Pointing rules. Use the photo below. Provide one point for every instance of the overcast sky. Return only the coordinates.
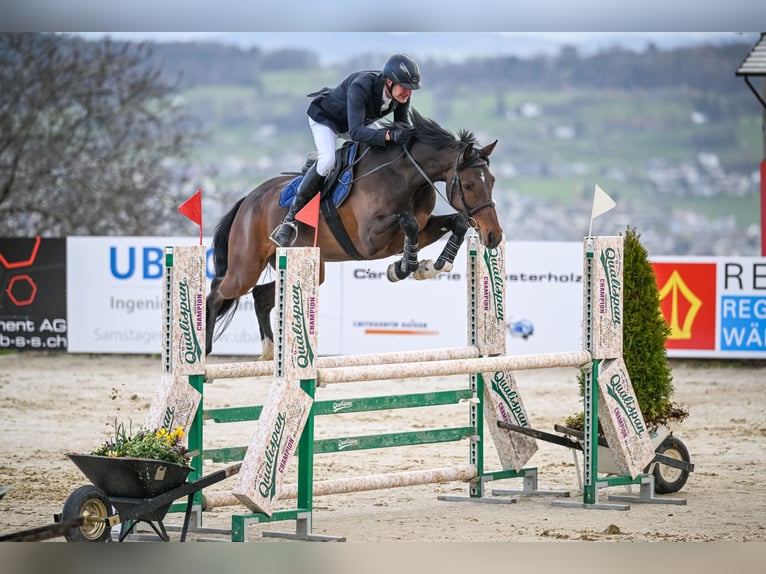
(333, 47)
(392, 15)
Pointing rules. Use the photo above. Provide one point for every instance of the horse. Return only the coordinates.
(389, 210)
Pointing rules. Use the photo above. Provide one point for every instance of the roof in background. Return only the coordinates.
(755, 63)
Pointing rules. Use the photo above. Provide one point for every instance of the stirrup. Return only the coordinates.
(279, 230)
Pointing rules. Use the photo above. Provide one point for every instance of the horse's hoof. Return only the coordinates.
(267, 354)
(391, 273)
(428, 270)
(425, 270)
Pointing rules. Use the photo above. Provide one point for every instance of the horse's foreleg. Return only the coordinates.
(409, 261)
(448, 254)
(263, 296)
(443, 264)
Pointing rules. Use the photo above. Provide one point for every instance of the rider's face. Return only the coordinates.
(399, 93)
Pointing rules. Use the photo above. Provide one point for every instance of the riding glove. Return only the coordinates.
(395, 136)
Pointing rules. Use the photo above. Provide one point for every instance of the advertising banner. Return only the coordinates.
(606, 296)
(115, 295)
(183, 324)
(174, 403)
(113, 298)
(544, 296)
(275, 441)
(543, 303)
(486, 296)
(33, 310)
(715, 306)
(620, 417)
(502, 402)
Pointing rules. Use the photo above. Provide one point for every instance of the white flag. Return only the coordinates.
(601, 203)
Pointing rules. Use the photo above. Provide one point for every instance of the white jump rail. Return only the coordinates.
(360, 484)
(266, 368)
(453, 367)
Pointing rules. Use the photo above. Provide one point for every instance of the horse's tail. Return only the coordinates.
(221, 240)
(221, 265)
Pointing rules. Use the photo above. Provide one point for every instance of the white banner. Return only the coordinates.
(114, 299)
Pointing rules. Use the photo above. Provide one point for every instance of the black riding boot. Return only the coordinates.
(286, 232)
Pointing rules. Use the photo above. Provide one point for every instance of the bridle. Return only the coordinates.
(474, 161)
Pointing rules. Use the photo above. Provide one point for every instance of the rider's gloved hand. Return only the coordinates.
(395, 136)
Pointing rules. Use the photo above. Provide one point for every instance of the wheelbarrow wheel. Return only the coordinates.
(668, 479)
(93, 505)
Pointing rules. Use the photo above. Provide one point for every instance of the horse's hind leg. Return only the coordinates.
(263, 296)
(435, 229)
(213, 305)
(409, 261)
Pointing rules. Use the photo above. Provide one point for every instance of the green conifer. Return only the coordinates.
(644, 334)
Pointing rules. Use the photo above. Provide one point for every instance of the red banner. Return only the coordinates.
(688, 303)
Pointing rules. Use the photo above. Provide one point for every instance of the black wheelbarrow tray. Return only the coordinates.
(138, 489)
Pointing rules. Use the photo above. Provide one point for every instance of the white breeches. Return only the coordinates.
(325, 140)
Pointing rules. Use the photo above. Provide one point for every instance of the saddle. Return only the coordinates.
(337, 183)
(335, 190)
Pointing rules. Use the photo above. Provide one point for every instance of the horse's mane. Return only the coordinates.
(427, 131)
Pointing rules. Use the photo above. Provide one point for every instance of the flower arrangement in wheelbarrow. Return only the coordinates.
(146, 443)
(126, 473)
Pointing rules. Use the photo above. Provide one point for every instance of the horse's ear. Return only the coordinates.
(467, 152)
(487, 150)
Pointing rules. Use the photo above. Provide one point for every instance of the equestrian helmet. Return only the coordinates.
(402, 70)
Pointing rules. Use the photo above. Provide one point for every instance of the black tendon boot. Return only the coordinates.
(286, 232)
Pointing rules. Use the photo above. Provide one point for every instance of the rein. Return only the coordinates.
(456, 181)
(475, 161)
(373, 170)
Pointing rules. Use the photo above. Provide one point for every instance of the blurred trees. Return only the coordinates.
(91, 139)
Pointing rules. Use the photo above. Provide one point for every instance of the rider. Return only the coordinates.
(351, 107)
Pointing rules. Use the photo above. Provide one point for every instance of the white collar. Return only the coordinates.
(386, 100)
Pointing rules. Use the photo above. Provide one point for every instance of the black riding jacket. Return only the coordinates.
(354, 103)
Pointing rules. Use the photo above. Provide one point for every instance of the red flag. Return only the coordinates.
(192, 208)
(309, 215)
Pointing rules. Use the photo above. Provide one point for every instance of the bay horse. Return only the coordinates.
(388, 211)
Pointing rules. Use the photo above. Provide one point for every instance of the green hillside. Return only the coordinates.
(673, 135)
(564, 144)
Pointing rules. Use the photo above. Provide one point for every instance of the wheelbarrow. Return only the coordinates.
(672, 463)
(138, 489)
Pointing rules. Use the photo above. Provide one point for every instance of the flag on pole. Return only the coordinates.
(601, 204)
(309, 215)
(192, 208)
